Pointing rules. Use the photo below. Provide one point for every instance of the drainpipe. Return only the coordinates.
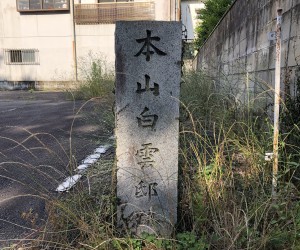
(179, 10)
(74, 41)
(170, 10)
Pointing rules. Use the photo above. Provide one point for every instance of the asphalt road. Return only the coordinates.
(35, 152)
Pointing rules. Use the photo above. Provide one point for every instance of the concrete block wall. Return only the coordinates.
(239, 52)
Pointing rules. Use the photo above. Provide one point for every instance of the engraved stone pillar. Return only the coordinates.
(148, 72)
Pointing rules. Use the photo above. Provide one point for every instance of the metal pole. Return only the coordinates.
(277, 102)
(74, 43)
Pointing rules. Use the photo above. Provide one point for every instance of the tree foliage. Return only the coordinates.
(210, 16)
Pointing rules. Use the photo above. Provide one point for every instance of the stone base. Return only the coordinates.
(12, 85)
(36, 85)
(56, 85)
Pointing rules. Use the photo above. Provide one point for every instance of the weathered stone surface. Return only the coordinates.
(148, 71)
(243, 33)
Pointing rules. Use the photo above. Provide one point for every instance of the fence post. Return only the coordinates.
(276, 102)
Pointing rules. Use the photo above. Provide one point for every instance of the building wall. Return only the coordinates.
(95, 41)
(189, 17)
(240, 45)
(53, 35)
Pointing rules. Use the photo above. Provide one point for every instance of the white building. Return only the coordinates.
(190, 10)
(42, 41)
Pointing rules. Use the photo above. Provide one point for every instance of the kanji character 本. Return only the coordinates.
(147, 120)
(147, 155)
(148, 45)
(155, 89)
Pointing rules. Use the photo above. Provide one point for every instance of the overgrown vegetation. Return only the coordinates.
(290, 131)
(96, 86)
(95, 79)
(225, 183)
(210, 16)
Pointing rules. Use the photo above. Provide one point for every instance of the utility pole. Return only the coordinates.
(276, 103)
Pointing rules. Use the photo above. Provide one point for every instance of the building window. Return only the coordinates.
(42, 5)
(21, 56)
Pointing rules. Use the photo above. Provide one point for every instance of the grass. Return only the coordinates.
(72, 218)
(224, 182)
(85, 216)
(97, 80)
(66, 222)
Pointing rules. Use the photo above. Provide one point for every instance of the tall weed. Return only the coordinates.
(225, 181)
(96, 78)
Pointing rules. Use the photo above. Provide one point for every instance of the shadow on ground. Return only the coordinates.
(37, 153)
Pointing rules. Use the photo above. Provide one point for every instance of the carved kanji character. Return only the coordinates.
(148, 45)
(147, 120)
(155, 89)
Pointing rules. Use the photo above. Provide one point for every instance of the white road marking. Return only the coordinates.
(89, 161)
(101, 149)
(70, 181)
(82, 167)
(94, 156)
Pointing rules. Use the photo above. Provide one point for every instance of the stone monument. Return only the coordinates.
(148, 73)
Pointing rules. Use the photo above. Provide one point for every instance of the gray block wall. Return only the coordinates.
(240, 45)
